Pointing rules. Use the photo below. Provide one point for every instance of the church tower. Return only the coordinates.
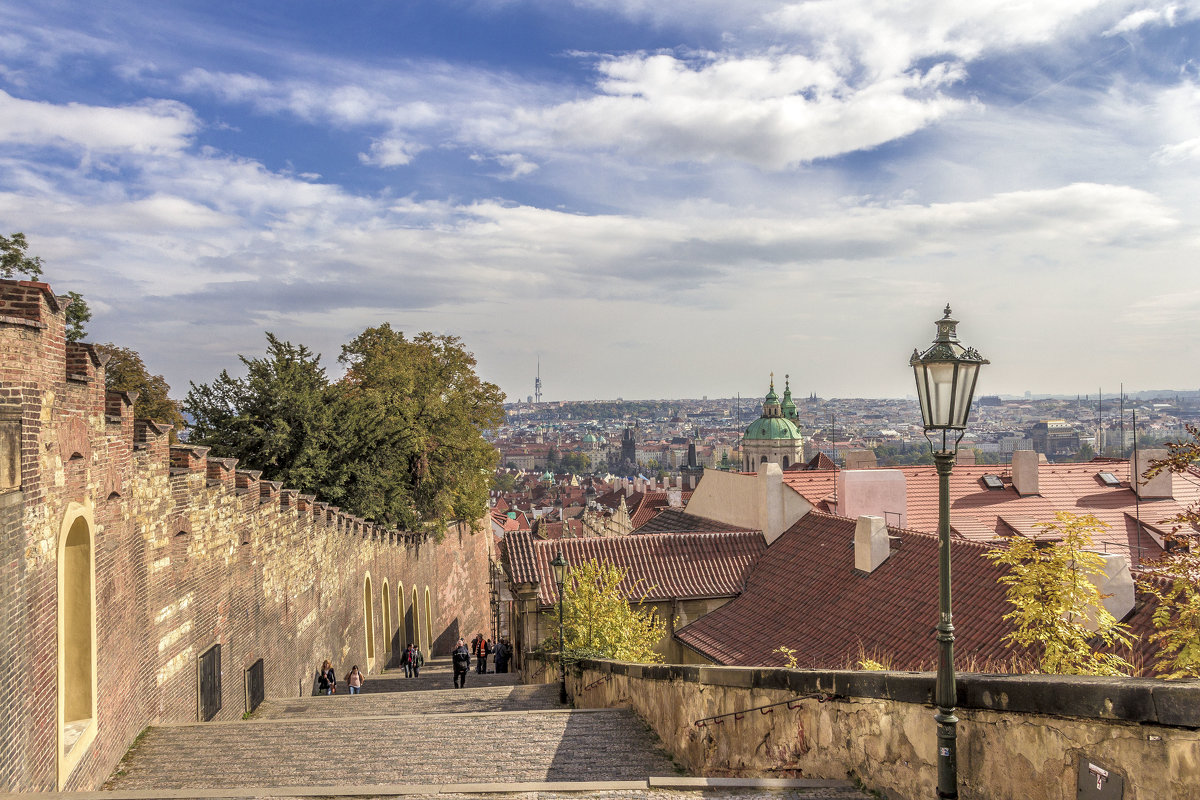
(774, 438)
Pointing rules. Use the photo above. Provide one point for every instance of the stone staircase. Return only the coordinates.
(412, 737)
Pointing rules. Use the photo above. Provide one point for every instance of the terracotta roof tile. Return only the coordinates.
(805, 593)
(671, 565)
(671, 520)
(974, 509)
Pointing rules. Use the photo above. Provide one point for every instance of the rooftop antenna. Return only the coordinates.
(1137, 496)
(739, 427)
(537, 383)
(1122, 453)
(1100, 420)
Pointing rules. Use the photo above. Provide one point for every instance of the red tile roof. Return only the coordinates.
(980, 514)
(648, 505)
(670, 565)
(805, 594)
(672, 520)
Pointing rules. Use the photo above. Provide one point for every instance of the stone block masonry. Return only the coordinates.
(1020, 737)
(124, 561)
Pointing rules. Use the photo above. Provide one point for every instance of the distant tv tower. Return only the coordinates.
(537, 383)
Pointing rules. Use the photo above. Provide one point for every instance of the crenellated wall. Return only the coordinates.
(123, 559)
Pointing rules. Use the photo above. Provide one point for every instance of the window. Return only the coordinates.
(992, 482)
(1108, 479)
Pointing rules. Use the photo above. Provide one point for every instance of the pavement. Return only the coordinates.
(419, 737)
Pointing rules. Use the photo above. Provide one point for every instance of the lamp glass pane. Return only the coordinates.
(922, 392)
(941, 380)
(968, 372)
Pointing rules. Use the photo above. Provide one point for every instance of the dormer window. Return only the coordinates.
(1108, 479)
(992, 482)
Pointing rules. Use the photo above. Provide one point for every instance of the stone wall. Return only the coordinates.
(180, 552)
(1019, 736)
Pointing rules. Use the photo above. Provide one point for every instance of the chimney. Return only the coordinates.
(1116, 586)
(871, 546)
(965, 457)
(1156, 488)
(1025, 472)
(860, 459)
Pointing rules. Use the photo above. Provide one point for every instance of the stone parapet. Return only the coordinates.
(1019, 736)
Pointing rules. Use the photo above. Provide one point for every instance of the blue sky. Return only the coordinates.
(659, 199)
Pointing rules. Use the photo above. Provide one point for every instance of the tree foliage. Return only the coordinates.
(397, 440)
(1177, 615)
(15, 261)
(126, 372)
(410, 415)
(601, 620)
(276, 419)
(1058, 611)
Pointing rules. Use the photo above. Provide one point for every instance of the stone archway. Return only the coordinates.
(428, 623)
(77, 723)
(386, 599)
(415, 608)
(403, 626)
(369, 622)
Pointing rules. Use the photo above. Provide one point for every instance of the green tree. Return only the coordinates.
(126, 372)
(15, 261)
(575, 463)
(1058, 611)
(1086, 453)
(276, 419)
(600, 620)
(1177, 587)
(504, 482)
(410, 416)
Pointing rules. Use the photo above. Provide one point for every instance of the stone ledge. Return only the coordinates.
(747, 783)
(1141, 700)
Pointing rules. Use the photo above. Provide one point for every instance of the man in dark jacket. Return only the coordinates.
(461, 658)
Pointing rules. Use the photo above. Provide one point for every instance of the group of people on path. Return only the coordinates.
(413, 659)
(327, 679)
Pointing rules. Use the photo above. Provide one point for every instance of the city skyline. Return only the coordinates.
(659, 200)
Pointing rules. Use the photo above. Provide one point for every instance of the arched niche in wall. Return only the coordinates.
(76, 638)
(404, 640)
(386, 598)
(369, 621)
(415, 608)
(428, 623)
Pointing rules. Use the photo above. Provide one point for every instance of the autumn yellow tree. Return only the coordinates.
(1176, 582)
(1058, 611)
(601, 620)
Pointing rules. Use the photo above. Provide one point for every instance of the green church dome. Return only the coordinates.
(589, 439)
(767, 428)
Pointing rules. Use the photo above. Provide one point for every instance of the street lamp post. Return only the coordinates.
(559, 565)
(946, 373)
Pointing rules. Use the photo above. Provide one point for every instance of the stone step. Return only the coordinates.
(415, 749)
(440, 701)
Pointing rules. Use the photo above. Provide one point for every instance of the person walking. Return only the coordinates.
(406, 661)
(480, 654)
(461, 659)
(501, 656)
(355, 680)
(323, 677)
(418, 659)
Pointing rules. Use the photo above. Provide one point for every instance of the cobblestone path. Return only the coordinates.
(417, 733)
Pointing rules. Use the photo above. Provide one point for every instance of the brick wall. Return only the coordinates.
(189, 552)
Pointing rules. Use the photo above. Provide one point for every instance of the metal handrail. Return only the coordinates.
(596, 683)
(719, 719)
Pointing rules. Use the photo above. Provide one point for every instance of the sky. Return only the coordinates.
(656, 199)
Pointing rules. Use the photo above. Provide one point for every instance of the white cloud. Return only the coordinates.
(390, 153)
(157, 126)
